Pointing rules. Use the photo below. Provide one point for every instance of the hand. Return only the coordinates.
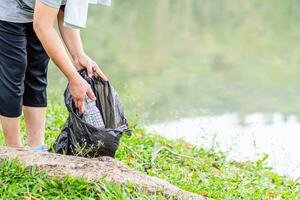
(82, 61)
(78, 89)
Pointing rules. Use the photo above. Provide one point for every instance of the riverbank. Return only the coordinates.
(197, 170)
(249, 139)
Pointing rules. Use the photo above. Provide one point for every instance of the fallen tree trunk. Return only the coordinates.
(91, 169)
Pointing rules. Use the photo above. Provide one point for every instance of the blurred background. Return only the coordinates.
(225, 72)
(177, 58)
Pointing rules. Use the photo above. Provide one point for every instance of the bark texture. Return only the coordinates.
(91, 169)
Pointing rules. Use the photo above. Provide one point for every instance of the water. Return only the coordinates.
(278, 138)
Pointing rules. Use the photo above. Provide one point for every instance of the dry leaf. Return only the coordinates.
(28, 196)
(131, 159)
(40, 189)
(205, 194)
(138, 136)
(187, 146)
(271, 194)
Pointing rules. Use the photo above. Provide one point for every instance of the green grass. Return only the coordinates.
(207, 172)
(20, 182)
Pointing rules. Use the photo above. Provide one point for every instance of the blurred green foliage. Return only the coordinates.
(179, 58)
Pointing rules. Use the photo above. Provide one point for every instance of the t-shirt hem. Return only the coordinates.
(14, 20)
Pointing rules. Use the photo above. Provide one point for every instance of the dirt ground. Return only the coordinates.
(91, 169)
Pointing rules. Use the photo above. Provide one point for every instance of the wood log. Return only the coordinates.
(95, 168)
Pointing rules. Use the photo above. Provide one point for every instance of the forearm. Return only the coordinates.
(55, 49)
(43, 23)
(71, 37)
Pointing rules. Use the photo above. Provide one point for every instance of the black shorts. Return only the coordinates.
(23, 69)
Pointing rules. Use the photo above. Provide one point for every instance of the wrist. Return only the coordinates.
(76, 55)
(73, 76)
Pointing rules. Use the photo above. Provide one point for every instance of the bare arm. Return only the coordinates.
(43, 23)
(73, 42)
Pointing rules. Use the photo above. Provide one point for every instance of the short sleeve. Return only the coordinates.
(52, 3)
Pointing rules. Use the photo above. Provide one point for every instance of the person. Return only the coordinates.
(28, 39)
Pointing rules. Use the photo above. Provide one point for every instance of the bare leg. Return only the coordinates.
(35, 125)
(11, 130)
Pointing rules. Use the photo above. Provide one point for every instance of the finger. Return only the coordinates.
(81, 105)
(99, 72)
(89, 68)
(91, 94)
(76, 104)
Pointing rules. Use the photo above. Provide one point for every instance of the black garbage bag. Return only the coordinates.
(81, 138)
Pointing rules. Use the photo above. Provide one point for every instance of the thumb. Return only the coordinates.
(91, 94)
